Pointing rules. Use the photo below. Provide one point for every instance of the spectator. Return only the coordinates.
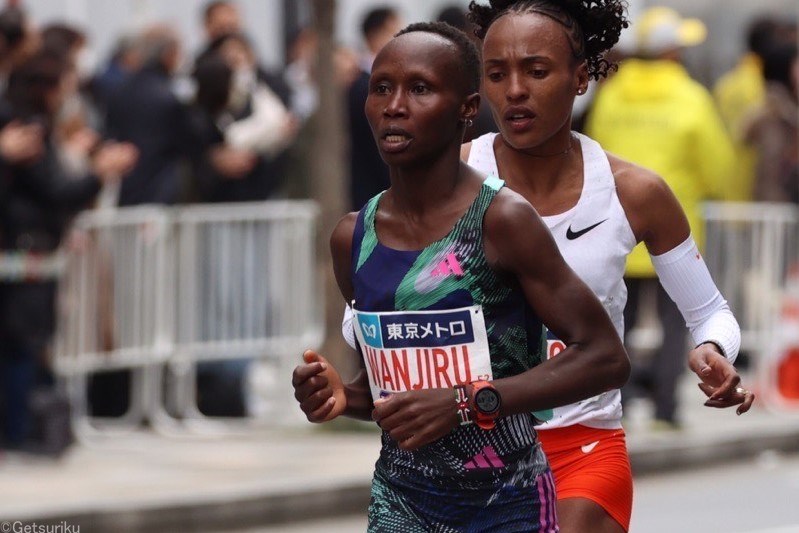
(123, 62)
(147, 113)
(20, 143)
(246, 125)
(18, 41)
(739, 94)
(37, 202)
(774, 130)
(73, 136)
(653, 114)
(368, 172)
(221, 18)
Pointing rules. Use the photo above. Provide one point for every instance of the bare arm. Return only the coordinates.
(519, 245)
(657, 219)
(517, 242)
(359, 397)
(318, 386)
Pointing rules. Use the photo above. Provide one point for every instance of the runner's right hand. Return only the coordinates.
(318, 388)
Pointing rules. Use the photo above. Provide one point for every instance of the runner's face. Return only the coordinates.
(530, 78)
(417, 102)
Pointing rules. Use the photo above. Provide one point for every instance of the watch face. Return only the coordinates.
(487, 400)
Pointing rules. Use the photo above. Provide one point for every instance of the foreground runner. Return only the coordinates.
(537, 56)
(450, 277)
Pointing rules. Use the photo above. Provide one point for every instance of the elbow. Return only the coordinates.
(623, 370)
(617, 367)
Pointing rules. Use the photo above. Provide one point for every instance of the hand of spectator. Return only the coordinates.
(318, 388)
(113, 160)
(720, 380)
(417, 418)
(232, 163)
(290, 128)
(21, 144)
(82, 141)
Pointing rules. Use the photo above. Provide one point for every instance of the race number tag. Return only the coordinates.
(554, 345)
(412, 350)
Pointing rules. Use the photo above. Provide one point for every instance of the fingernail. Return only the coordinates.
(324, 366)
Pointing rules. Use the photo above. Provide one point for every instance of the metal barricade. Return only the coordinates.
(160, 291)
(114, 312)
(246, 278)
(750, 249)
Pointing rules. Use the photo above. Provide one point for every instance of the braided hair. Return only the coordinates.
(593, 26)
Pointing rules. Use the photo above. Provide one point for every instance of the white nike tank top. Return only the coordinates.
(594, 238)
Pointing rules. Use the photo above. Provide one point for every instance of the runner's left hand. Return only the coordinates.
(720, 380)
(417, 418)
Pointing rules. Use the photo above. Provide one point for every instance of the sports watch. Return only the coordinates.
(487, 402)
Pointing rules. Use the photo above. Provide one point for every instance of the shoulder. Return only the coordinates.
(509, 216)
(638, 188)
(341, 238)
(654, 213)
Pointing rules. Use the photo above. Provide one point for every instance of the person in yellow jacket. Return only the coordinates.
(653, 114)
(740, 93)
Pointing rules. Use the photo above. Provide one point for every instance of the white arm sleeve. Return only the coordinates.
(347, 330)
(684, 275)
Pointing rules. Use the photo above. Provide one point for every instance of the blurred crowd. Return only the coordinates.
(145, 128)
(152, 125)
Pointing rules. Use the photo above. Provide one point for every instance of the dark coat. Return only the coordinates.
(146, 112)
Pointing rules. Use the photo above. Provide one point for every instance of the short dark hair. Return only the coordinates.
(593, 26)
(761, 34)
(220, 41)
(778, 62)
(214, 78)
(29, 83)
(62, 36)
(375, 19)
(470, 60)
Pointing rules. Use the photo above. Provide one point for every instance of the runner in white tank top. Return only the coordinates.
(594, 238)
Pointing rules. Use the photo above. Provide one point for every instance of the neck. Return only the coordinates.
(540, 170)
(419, 188)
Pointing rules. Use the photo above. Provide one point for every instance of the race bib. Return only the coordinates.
(554, 345)
(412, 350)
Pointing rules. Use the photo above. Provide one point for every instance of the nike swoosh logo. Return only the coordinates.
(588, 448)
(571, 235)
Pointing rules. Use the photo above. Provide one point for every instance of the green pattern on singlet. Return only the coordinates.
(509, 333)
(369, 241)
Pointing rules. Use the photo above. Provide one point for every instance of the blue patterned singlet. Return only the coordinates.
(471, 479)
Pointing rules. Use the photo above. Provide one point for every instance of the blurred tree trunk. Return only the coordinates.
(328, 178)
